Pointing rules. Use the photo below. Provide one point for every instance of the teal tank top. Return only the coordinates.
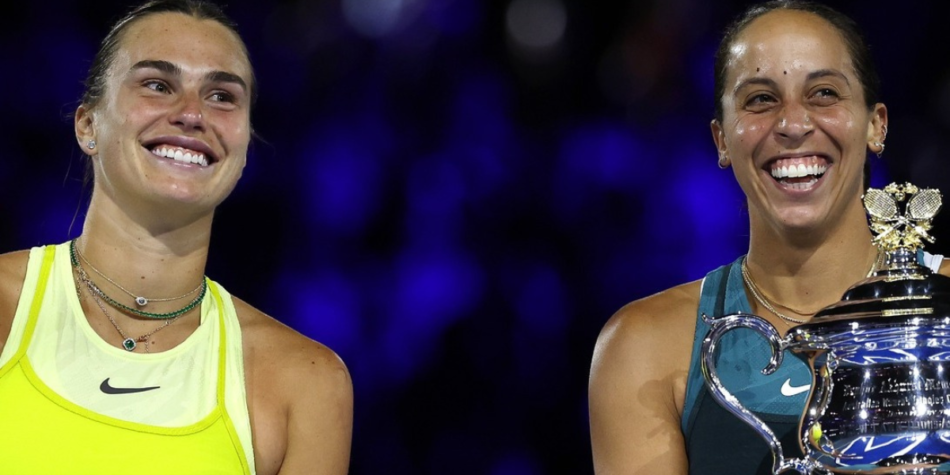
(717, 442)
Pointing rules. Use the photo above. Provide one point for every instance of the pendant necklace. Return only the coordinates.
(140, 300)
(128, 343)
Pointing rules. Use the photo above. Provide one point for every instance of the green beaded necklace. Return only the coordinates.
(134, 311)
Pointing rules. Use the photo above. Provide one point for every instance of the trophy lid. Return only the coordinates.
(900, 216)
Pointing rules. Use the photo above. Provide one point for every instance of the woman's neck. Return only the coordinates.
(152, 259)
(810, 269)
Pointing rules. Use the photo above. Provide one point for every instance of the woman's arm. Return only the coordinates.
(12, 274)
(300, 399)
(320, 417)
(637, 385)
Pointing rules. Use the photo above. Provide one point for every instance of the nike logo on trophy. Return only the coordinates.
(789, 390)
(109, 389)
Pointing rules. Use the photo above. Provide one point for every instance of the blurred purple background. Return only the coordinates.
(455, 195)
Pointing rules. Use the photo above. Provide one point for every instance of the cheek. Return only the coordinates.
(109, 133)
(836, 122)
(237, 130)
(238, 144)
(841, 121)
(748, 130)
(131, 122)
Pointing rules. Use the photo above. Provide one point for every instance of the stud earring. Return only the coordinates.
(883, 132)
(91, 145)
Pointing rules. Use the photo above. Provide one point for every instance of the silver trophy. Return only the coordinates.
(880, 358)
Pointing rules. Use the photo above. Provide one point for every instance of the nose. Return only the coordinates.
(188, 113)
(794, 124)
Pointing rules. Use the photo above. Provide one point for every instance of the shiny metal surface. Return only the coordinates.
(880, 402)
(881, 360)
(721, 326)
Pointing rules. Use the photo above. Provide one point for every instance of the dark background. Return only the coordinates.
(455, 195)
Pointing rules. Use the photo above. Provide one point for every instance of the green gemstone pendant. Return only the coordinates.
(128, 344)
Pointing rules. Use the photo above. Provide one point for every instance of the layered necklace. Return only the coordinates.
(765, 302)
(99, 296)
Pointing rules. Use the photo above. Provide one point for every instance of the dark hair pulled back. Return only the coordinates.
(850, 33)
(95, 82)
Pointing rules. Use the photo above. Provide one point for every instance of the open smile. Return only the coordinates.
(798, 173)
(184, 150)
(179, 154)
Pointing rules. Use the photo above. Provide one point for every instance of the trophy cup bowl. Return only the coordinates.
(880, 358)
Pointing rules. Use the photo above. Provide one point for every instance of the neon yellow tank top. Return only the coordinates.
(71, 403)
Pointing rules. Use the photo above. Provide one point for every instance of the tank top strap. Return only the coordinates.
(231, 394)
(717, 298)
(24, 320)
(222, 342)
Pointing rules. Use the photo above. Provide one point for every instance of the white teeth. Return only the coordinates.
(801, 186)
(180, 156)
(798, 170)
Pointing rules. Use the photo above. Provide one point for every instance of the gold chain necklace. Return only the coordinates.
(141, 301)
(759, 297)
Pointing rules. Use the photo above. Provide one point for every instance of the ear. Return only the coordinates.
(85, 129)
(719, 139)
(877, 128)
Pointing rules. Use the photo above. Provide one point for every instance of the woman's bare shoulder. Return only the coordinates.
(12, 273)
(945, 267)
(13, 265)
(671, 310)
(638, 380)
(299, 391)
(651, 338)
(283, 349)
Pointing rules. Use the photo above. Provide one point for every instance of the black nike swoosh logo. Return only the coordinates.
(108, 389)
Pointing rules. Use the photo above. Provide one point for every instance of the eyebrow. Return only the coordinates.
(175, 70)
(821, 73)
(755, 80)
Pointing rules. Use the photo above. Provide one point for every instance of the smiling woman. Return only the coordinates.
(796, 113)
(115, 346)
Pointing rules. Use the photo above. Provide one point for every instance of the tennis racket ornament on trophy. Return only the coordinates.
(880, 358)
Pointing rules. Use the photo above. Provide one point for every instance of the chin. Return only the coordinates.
(802, 219)
(182, 197)
(794, 214)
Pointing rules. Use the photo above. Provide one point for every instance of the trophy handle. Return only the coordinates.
(719, 327)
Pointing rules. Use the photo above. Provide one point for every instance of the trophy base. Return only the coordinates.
(943, 469)
(886, 454)
(913, 459)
